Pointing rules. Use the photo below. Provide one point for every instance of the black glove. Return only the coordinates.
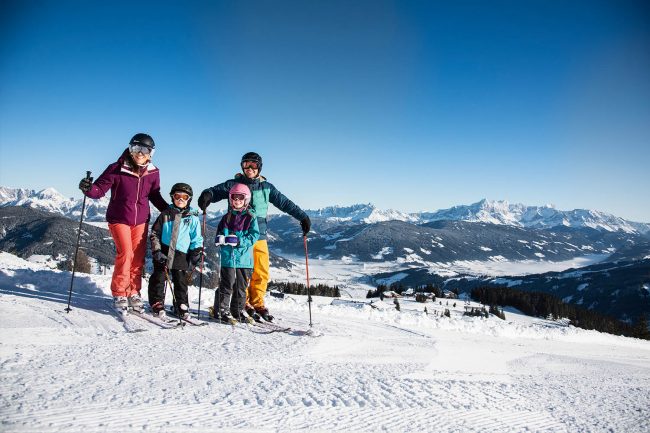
(205, 199)
(195, 257)
(305, 224)
(85, 184)
(159, 257)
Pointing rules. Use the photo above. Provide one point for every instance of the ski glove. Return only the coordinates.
(85, 184)
(305, 224)
(159, 257)
(205, 199)
(232, 240)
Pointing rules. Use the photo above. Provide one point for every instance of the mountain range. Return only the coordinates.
(498, 212)
(485, 211)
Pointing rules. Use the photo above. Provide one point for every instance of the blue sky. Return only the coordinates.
(408, 105)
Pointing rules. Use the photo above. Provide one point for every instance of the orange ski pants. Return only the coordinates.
(260, 279)
(131, 247)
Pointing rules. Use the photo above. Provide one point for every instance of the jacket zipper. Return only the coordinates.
(137, 198)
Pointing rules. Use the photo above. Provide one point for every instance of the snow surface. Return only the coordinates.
(371, 369)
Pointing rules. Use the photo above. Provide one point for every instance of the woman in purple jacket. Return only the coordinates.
(133, 181)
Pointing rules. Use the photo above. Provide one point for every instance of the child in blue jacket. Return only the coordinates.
(237, 232)
(179, 220)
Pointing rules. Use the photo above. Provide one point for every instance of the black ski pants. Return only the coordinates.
(157, 286)
(231, 294)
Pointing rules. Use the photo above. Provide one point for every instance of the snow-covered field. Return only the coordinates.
(353, 276)
(372, 368)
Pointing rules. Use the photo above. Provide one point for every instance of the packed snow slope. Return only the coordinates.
(368, 369)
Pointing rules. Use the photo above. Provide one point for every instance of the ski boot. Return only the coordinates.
(243, 317)
(121, 304)
(158, 310)
(264, 314)
(183, 311)
(135, 302)
(225, 317)
(248, 308)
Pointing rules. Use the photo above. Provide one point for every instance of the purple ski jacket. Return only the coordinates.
(131, 190)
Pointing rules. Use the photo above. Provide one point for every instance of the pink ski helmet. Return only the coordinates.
(240, 188)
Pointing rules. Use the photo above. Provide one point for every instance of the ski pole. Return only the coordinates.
(234, 289)
(198, 313)
(171, 289)
(304, 238)
(76, 249)
(218, 312)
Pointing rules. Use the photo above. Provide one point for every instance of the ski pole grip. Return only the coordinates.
(88, 174)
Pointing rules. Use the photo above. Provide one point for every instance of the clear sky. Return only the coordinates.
(409, 105)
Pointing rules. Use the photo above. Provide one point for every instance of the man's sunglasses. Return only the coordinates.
(250, 164)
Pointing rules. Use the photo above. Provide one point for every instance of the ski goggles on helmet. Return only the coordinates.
(241, 197)
(250, 164)
(181, 196)
(136, 148)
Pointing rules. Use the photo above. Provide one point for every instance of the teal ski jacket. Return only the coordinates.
(244, 225)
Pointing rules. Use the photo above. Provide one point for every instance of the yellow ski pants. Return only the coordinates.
(260, 279)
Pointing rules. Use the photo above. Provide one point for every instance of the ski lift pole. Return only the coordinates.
(198, 313)
(309, 300)
(76, 249)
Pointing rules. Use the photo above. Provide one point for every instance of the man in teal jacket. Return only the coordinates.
(263, 193)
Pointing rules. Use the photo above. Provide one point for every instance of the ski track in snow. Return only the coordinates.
(370, 371)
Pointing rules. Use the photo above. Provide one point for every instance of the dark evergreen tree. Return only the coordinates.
(301, 289)
(543, 304)
(83, 263)
(641, 328)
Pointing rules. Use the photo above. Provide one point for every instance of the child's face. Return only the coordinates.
(237, 201)
(180, 199)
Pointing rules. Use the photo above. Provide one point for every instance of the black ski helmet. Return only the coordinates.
(181, 187)
(141, 139)
(253, 157)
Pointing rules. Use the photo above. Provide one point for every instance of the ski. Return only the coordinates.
(236, 324)
(130, 325)
(191, 320)
(271, 326)
(274, 327)
(164, 324)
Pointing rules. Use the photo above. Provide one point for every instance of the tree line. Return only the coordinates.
(301, 289)
(548, 306)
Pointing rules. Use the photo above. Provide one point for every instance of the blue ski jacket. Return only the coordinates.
(189, 241)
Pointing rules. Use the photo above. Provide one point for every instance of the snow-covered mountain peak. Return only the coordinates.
(50, 194)
(366, 213)
(48, 199)
(51, 200)
(546, 216)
